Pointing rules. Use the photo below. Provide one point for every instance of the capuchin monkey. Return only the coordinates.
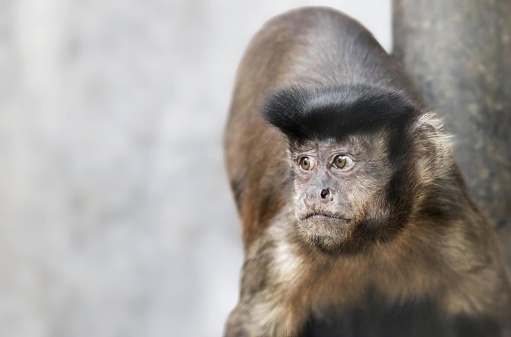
(356, 220)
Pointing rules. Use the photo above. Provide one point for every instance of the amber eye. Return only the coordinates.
(306, 163)
(343, 162)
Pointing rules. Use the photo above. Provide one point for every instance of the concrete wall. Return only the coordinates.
(115, 213)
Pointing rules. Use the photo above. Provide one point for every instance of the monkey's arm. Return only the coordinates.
(263, 310)
(273, 301)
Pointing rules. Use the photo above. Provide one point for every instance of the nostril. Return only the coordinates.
(325, 193)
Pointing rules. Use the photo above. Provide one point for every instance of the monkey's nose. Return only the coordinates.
(325, 193)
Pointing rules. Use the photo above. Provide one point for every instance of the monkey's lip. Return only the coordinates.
(324, 216)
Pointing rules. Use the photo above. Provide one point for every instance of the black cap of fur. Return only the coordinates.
(305, 114)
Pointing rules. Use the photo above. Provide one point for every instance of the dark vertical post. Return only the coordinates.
(458, 52)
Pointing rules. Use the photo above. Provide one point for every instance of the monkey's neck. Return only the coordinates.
(427, 260)
(448, 264)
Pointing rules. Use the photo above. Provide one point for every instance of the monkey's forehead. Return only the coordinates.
(351, 141)
(304, 114)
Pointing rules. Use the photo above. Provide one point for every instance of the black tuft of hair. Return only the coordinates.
(334, 112)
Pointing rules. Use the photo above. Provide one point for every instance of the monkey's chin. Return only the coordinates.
(326, 233)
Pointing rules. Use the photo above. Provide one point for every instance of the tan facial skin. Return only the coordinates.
(334, 182)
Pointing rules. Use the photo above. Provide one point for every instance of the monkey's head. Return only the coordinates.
(349, 150)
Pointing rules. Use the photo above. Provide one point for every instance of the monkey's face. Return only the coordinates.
(340, 190)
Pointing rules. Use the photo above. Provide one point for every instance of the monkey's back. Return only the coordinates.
(309, 47)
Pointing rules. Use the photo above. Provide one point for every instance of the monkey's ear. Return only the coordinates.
(431, 139)
(431, 126)
(428, 123)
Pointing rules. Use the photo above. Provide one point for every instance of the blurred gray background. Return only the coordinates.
(115, 213)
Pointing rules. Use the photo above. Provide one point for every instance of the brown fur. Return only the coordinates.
(451, 257)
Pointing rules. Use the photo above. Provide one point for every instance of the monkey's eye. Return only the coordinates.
(306, 163)
(343, 162)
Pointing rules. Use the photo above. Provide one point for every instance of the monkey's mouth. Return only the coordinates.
(326, 231)
(324, 217)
